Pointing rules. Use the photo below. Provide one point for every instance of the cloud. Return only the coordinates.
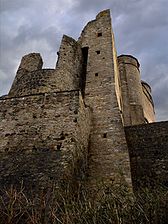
(140, 27)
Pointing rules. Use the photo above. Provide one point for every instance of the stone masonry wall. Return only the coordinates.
(148, 149)
(108, 155)
(42, 137)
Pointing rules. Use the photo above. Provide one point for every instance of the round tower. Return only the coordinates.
(131, 90)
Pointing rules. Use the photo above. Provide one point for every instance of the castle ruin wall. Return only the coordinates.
(42, 137)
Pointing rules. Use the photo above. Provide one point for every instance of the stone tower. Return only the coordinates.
(108, 150)
(136, 101)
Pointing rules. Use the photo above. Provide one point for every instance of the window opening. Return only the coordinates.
(99, 34)
(105, 135)
(84, 70)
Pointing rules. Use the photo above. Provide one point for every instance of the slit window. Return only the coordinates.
(98, 52)
(99, 34)
(96, 74)
(105, 135)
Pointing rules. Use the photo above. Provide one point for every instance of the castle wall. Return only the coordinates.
(31, 78)
(131, 90)
(42, 138)
(148, 147)
(147, 102)
(108, 155)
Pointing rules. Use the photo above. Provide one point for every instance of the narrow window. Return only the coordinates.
(99, 34)
(98, 52)
(105, 135)
(59, 146)
(96, 74)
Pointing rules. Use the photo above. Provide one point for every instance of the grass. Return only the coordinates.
(113, 205)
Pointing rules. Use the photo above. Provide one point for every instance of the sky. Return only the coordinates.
(140, 28)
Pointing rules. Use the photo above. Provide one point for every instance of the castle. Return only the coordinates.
(86, 119)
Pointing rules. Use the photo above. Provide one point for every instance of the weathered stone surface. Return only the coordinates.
(148, 149)
(42, 136)
(131, 90)
(108, 155)
(135, 96)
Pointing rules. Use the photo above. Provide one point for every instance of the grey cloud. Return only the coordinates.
(8, 5)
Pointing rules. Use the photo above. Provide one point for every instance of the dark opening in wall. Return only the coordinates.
(96, 74)
(59, 146)
(98, 52)
(105, 135)
(75, 120)
(99, 34)
(84, 70)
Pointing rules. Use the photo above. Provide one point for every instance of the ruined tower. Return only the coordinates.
(108, 154)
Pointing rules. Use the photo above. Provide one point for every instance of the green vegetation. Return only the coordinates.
(114, 205)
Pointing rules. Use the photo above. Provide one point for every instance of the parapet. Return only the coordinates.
(128, 59)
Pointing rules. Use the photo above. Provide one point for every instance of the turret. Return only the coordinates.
(131, 90)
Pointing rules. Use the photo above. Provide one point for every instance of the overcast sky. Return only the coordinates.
(140, 27)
